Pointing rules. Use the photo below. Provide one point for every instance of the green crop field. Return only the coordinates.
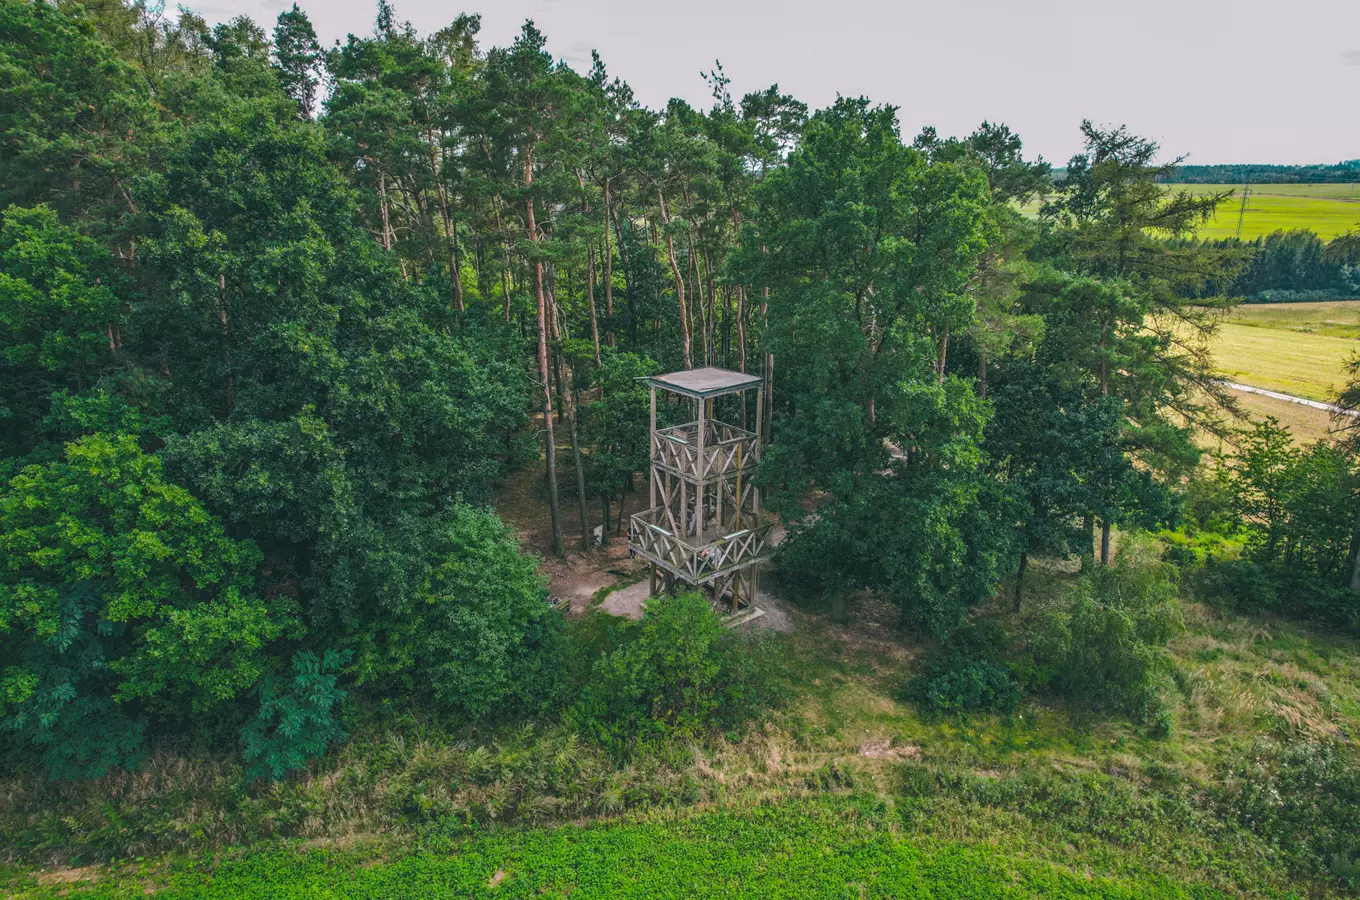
(1328, 209)
(820, 849)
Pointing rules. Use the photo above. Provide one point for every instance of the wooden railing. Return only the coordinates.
(726, 448)
(697, 563)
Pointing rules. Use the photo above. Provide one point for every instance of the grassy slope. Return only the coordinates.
(865, 792)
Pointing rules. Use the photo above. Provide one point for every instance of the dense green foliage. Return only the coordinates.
(296, 721)
(968, 674)
(1107, 648)
(1295, 510)
(121, 598)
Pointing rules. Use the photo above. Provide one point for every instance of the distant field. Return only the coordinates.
(1328, 209)
(1296, 348)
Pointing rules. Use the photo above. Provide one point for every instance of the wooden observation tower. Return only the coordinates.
(703, 526)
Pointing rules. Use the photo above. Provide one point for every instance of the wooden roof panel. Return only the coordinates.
(709, 381)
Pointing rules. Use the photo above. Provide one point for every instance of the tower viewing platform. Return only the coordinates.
(704, 526)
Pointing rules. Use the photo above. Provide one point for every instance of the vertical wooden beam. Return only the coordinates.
(652, 453)
(699, 469)
(760, 441)
(684, 512)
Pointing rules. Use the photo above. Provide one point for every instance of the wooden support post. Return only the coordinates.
(652, 452)
(684, 511)
(760, 440)
(651, 580)
(699, 470)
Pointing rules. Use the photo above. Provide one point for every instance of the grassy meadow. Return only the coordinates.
(1328, 209)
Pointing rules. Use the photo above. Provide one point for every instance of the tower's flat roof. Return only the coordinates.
(709, 381)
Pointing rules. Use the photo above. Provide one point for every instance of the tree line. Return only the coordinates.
(1296, 265)
(277, 318)
(1344, 172)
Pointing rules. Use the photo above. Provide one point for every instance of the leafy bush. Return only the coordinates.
(296, 721)
(968, 675)
(1302, 797)
(678, 671)
(1108, 645)
(1242, 585)
(1250, 586)
(120, 598)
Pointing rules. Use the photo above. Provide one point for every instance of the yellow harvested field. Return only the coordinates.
(1304, 422)
(1304, 365)
(1335, 318)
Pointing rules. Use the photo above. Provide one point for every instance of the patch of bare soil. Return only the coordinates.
(779, 615)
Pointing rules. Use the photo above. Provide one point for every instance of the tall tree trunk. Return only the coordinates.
(590, 298)
(505, 259)
(450, 229)
(382, 203)
(1355, 564)
(590, 276)
(1104, 542)
(549, 441)
(686, 345)
(608, 267)
(741, 326)
(1088, 552)
(569, 408)
(1020, 577)
(712, 289)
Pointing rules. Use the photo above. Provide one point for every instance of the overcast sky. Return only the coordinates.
(1242, 81)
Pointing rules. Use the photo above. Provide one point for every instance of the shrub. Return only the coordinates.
(1252, 586)
(1242, 585)
(296, 721)
(121, 598)
(1108, 644)
(678, 671)
(967, 675)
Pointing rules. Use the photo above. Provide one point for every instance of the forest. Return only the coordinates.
(278, 320)
(1346, 172)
